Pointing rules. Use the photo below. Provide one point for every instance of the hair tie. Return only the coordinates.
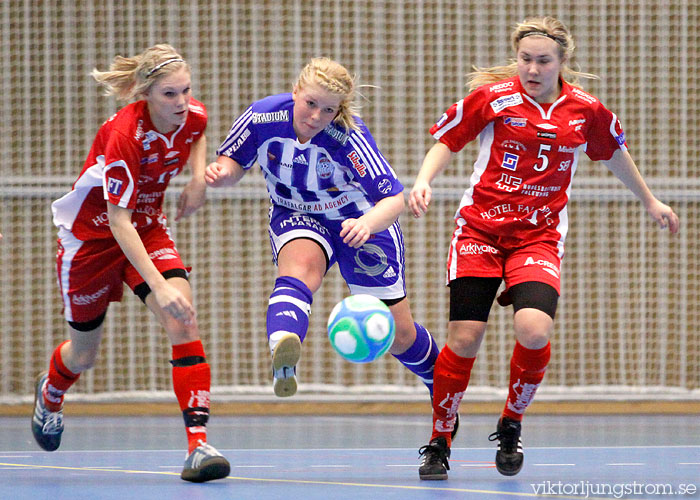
(541, 33)
(164, 63)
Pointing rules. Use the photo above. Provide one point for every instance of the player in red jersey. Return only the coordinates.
(533, 122)
(111, 230)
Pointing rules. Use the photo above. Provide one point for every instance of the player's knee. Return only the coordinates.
(533, 328)
(81, 360)
(404, 337)
(177, 331)
(464, 337)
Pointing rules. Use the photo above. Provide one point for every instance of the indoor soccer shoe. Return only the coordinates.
(205, 464)
(47, 426)
(434, 465)
(509, 456)
(285, 357)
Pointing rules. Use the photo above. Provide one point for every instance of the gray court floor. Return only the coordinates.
(355, 457)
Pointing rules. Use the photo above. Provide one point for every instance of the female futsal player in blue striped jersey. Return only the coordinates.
(334, 199)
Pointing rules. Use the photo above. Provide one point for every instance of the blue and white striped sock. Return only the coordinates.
(420, 357)
(288, 309)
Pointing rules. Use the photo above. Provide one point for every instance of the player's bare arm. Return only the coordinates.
(622, 165)
(356, 232)
(436, 159)
(224, 172)
(168, 297)
(194, 194)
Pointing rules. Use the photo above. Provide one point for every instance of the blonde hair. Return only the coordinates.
(546, 26)
(336, 79)
(129, 77)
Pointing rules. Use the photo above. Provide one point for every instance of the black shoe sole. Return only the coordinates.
(215, 468)
(509, 472)
(433, 477)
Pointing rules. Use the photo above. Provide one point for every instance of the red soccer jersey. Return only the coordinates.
(130, 165)
(528, 155)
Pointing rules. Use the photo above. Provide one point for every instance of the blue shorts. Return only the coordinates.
(376, 268)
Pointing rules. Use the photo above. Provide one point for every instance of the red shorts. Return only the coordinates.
(473, 253)
(91, 273)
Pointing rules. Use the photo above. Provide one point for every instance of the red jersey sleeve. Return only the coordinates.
(121, 172)
(463, 121)
(604, 135)
(199, 116)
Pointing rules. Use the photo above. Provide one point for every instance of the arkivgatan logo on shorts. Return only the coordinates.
(90, 298)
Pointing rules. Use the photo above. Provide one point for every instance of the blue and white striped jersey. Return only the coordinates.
(335, 175)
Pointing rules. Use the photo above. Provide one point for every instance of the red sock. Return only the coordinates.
(527, 367)
(450, 380)
(59, 380)
(192, 381)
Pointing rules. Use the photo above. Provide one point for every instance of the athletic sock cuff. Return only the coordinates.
(194, 348)
(60, 367)
(455, 363)
(296, 284)
(532, 360)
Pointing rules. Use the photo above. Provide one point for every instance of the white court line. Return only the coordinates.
(688, 463)
(15, 456)
(554, 465)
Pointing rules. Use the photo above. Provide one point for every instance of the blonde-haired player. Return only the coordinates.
(112, 230)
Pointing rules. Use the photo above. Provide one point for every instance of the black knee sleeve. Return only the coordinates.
(88, 325)
(535, 295)
(142, 289)
(471, 298)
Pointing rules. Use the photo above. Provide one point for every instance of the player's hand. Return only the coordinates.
(419, 198)
(355, 232)
(191, 199)
(173, 302)
(664, 216)
(218, 175)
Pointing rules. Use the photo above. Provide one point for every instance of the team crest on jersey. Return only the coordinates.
(384, 186)
(114, 186)
(324, 168)
(515, 121)
(510, 161)
(620, 138)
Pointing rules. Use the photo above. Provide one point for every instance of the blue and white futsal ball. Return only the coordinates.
(361, 328)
